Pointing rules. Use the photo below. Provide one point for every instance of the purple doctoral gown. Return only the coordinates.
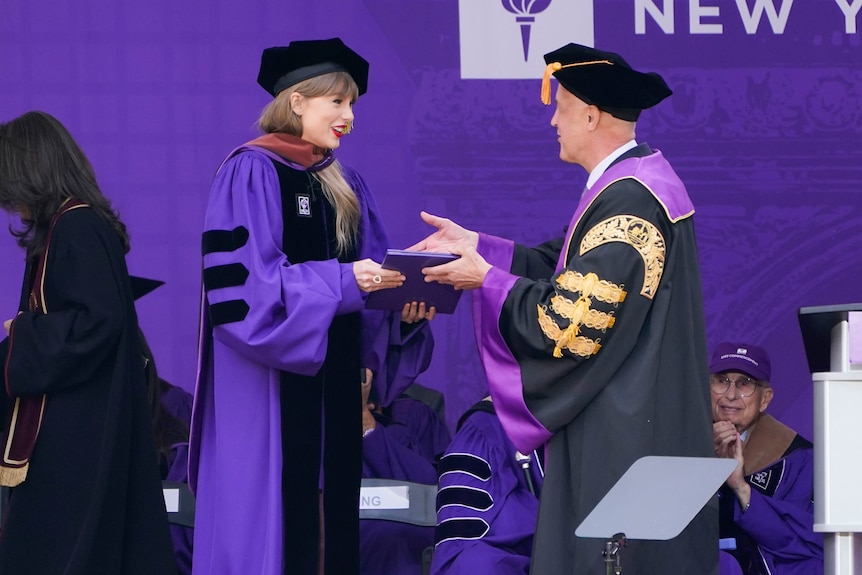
(596, 346)
(486, 513)
(236, 455)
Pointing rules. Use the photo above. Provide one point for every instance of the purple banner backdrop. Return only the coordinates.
(764, 128)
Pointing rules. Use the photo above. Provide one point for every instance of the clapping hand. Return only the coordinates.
(727, 443)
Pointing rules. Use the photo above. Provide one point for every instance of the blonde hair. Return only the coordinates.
(278, 116)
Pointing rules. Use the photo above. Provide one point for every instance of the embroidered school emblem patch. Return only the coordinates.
(303, 205)
(767, 480)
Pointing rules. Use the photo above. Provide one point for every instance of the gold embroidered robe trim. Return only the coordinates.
(568, 338)
(638, 233)
(591, 285)
(579, 312)
(575, 312)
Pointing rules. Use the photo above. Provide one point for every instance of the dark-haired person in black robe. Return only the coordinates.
(594, 344)
(77, 442)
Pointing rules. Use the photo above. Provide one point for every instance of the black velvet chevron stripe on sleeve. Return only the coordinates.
(228, 275)
(467, 528)
(477, 499)
(228, 311)
(224, 240)
(465, 463)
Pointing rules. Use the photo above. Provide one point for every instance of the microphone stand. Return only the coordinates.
(524, 460)
(611, 553)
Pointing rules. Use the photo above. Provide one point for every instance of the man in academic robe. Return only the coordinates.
(593, 344)
(767, 503)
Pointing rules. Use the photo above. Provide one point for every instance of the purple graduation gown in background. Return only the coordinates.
(776, 535)
(432, 435)
(181, 536)
(390, 547)
(235, 458)
(486, 514)
(178, 403)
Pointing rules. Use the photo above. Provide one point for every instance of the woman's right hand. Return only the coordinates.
(371, 277)
(7, 325)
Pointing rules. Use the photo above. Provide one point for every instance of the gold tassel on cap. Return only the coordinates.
(546, 81)
(556, 66)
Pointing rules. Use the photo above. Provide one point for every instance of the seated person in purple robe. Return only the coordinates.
(168, 404)
(766, 505)
(391, 451)
(487, 500)
(420, 409)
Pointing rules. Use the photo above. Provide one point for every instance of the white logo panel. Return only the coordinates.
(506, 39)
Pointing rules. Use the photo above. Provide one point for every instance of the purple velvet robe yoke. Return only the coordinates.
(782, 524)
(235, 456)
(509, 522)
(639, 394)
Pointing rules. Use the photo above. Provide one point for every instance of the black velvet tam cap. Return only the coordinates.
(143, 286)
(603, 79)
(284, 66)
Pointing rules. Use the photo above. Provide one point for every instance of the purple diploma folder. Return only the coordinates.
(415, 288)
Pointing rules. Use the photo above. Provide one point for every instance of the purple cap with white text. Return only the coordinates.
(742, 357)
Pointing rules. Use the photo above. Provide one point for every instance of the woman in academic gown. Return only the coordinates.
(78, 448)
(291, 249)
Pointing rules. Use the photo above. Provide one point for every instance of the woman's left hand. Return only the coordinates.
(7, 325)
(416, 311)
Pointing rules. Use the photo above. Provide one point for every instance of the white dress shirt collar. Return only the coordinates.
(603, 165)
